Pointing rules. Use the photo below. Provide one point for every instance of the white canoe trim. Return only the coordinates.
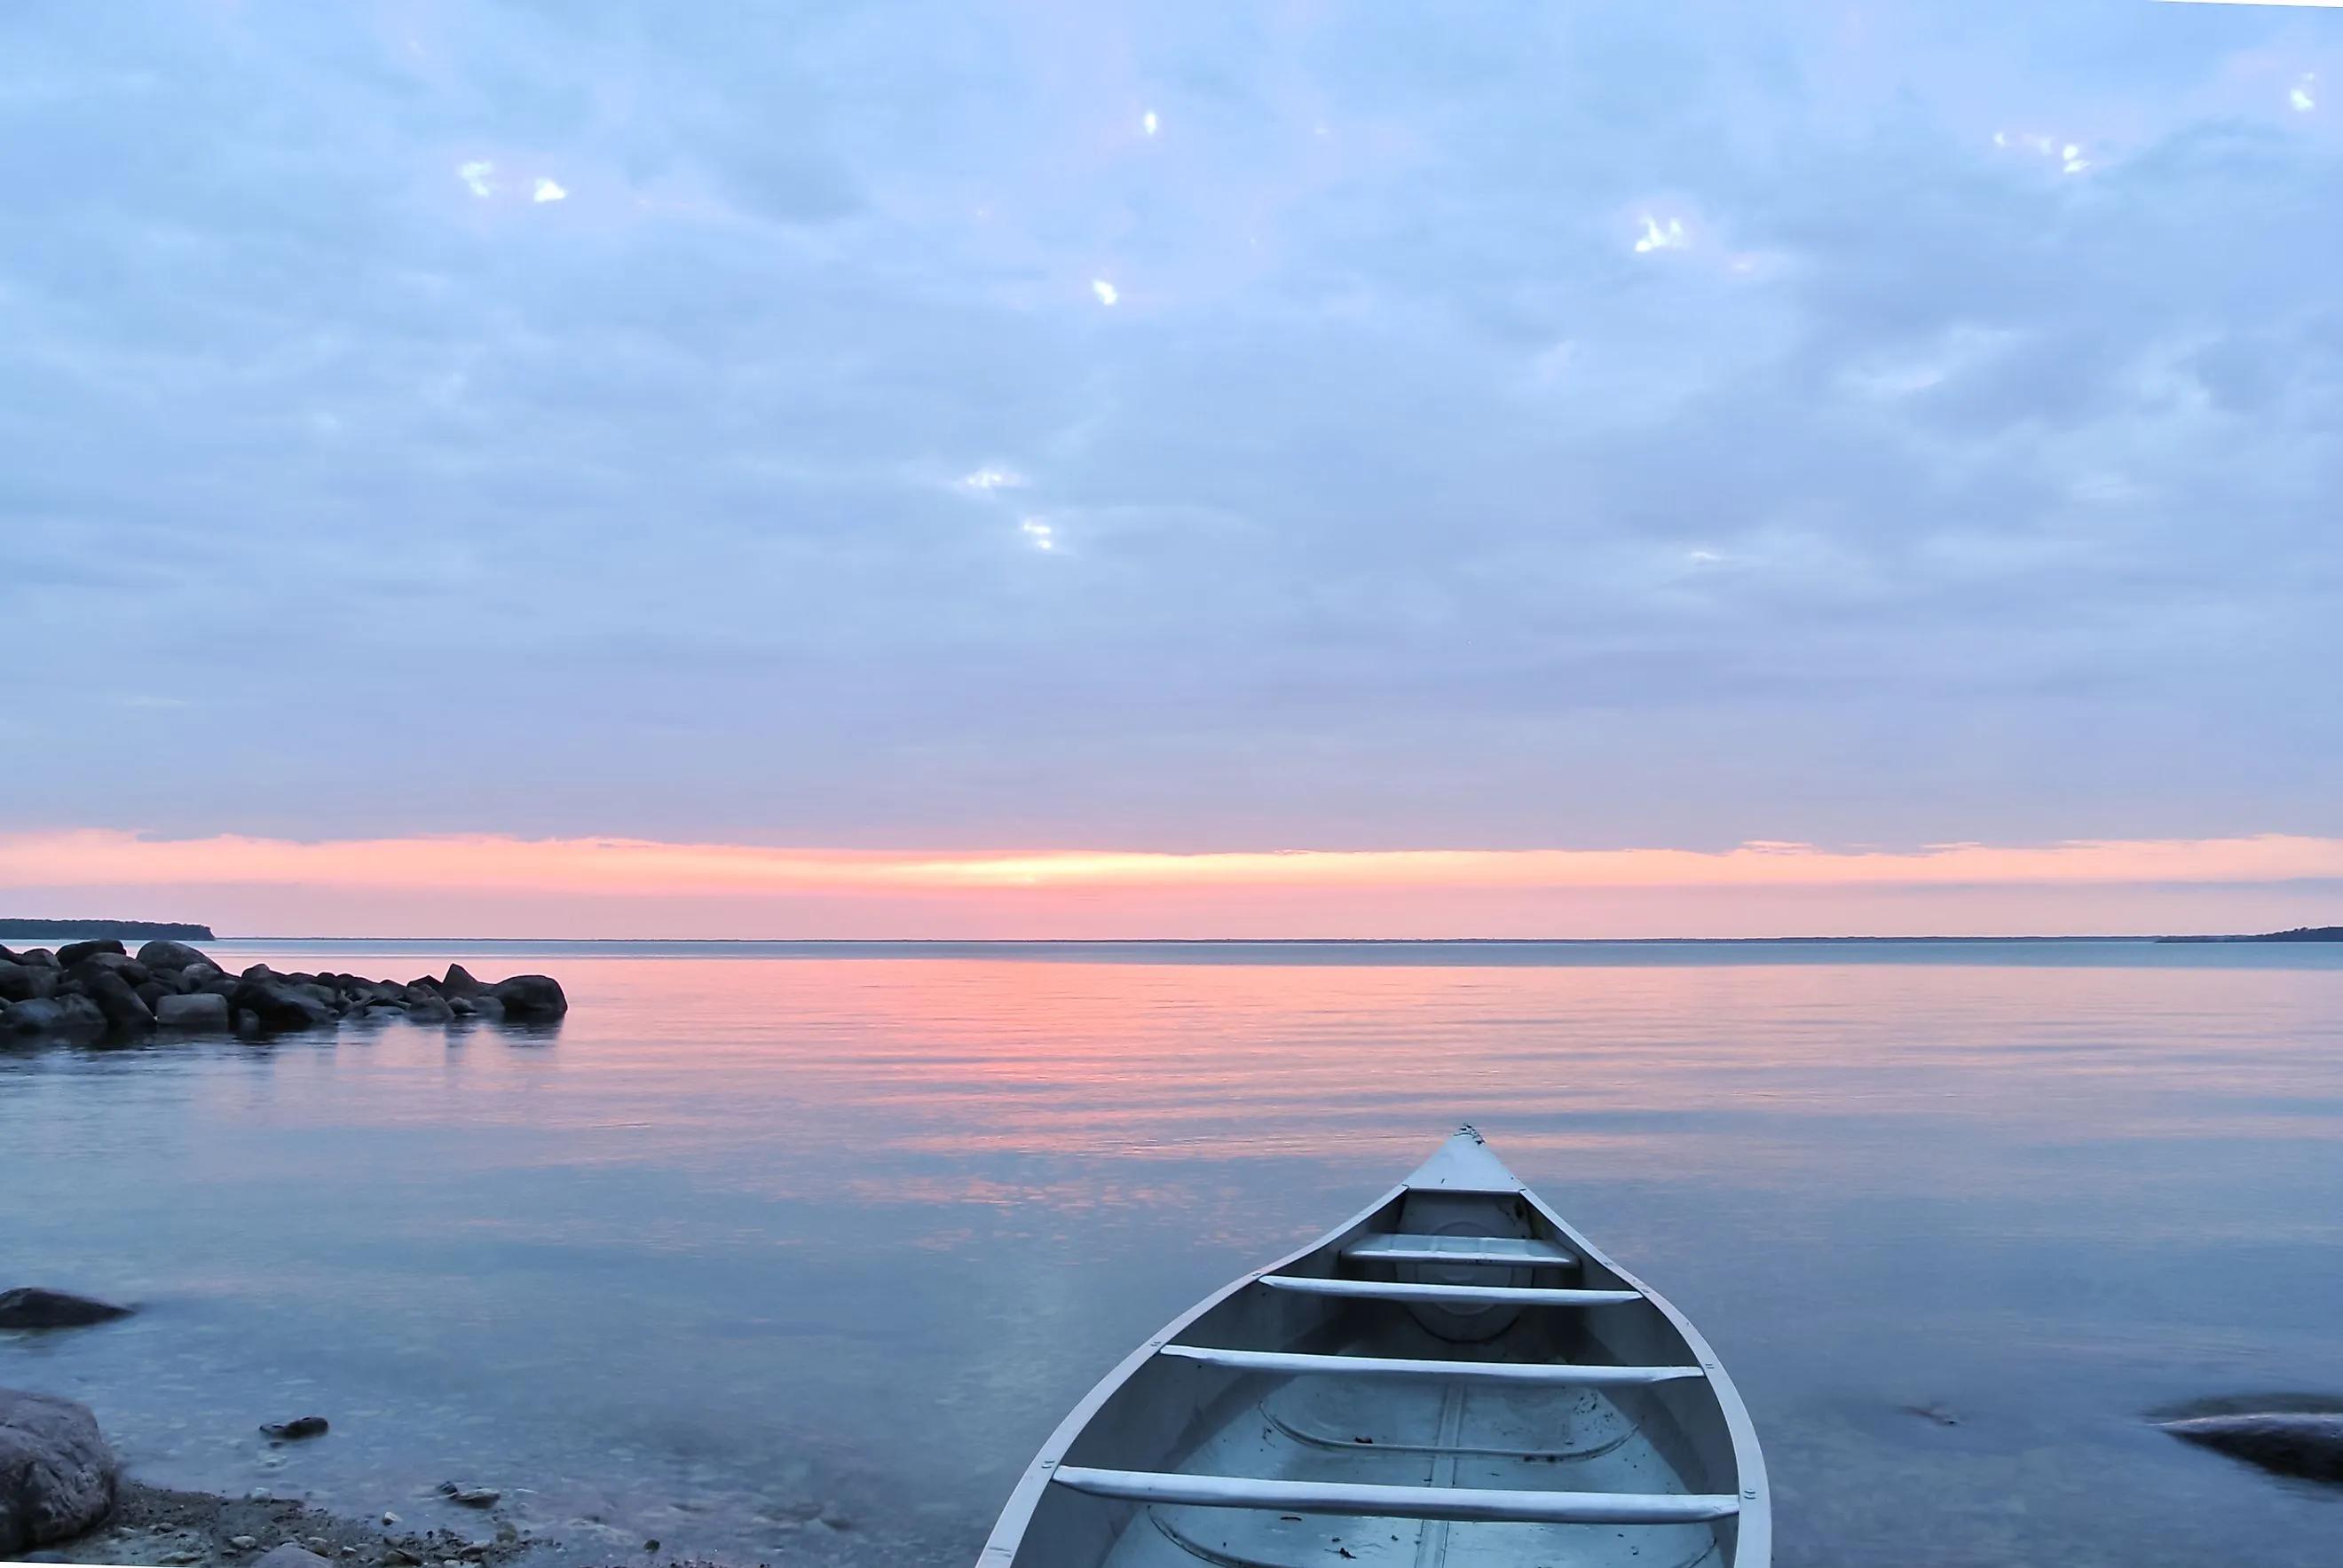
(1510, 1250)
(1468, 1502)
(1554, 1374)
(1451, 1295)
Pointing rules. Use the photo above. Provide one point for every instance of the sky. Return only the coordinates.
(1710, 468)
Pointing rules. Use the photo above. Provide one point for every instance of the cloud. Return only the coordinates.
(2022, 481)
(1107, 293)
(546, 190)
(992, 478)
(2303, 97)
(476, 176)
(1658, 236)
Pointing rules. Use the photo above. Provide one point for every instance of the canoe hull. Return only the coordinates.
(1552, 1410)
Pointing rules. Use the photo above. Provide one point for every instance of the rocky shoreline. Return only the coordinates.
(95, 991)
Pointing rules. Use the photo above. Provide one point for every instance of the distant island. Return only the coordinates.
(176, 930)
(2300, 934)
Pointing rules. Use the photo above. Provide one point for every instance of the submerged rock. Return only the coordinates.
(300, 1426)
(2305, 1444)
(31, 1307)
(56, 1474)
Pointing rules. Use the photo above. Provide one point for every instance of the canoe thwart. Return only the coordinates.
(1464, 1503)
(1449, 1295)
(1296, 1363)
(1512, 1251)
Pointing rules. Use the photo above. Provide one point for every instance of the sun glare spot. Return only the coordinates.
(475, 176)
(1659, 238)
(1148, 123)
(547, 190)
(1107, 292)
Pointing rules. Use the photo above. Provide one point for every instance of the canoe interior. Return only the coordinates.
(1167, 1414)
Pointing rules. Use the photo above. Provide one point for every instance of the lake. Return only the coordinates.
(764, 1228)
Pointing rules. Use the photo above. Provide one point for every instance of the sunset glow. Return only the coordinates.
(651, 888)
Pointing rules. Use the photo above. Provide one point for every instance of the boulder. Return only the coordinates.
(83, 1016)
(459, 982)
(260, 972)
(40, 956)
(2305, 1443)
(160, 955)
(274, 1004)
(130, 970)
(31, 1307)
(7, 954)
(73, 953)
(27, 982)
(196, 1010)
(153, 991)
(56, 1474)
(531, 997)
(122, 1007)
(299, 1427)
(218, 985)
(194, 976)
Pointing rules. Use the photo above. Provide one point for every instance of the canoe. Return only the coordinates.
(1453, 1377)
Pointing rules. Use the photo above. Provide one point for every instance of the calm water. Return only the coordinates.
(763, 1228)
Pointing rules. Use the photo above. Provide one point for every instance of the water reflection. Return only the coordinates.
(745, 1234)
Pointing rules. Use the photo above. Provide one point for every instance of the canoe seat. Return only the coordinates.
(1551, 1373)
(1399, 1502)
(1449, 1295)
(1514, 1251)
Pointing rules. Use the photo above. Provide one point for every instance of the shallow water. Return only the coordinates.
(762, 1228)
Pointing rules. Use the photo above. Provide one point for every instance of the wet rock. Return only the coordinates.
(244, 1542)
(470, 1496)
(164, 955)
(31, 1307)
(277, 1004)
(196, 1010)
(2305, 1444)
(531, 997)
(300, 1426)
(288, 1556)
(56, 1474)
(73, 953)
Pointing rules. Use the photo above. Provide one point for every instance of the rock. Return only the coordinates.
(122, 1007)
(2305, 1443)
(260, 972)
(38, 957)
(276, 1004)
(194, 977)
(300, 1426)
(431, 1012)
(153, 991)
(197, 1011)
(39, 1016)
(130, 970)
(459, 982)
(461, 1006)
(31, 1307)
(56, 1474)
(82, 1017)
(218, 985)
(73, 953)
(288, 1556)
(487, 1007)
(531, 996)
(162, 955)
(244, 1542)
(27, 982)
